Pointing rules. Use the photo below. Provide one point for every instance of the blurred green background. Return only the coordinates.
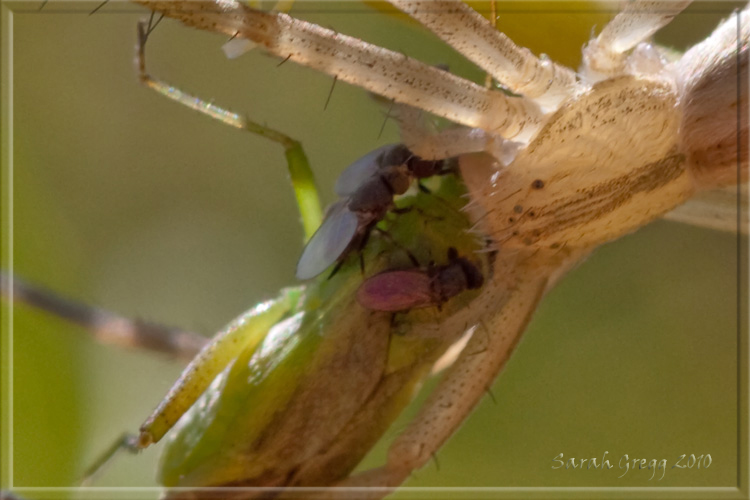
(128, 201)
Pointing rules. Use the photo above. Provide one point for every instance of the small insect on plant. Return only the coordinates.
(366, 188)
(402, 290)
(127, 201)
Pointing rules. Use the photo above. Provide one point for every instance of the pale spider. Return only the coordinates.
(177, 320)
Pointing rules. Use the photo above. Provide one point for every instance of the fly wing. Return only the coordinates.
(396, 291)
(329, 242)
(361, 171)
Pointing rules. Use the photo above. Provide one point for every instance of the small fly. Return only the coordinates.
(400, 290)
(366, 189)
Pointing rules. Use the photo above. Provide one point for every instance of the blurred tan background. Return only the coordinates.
(128, 201)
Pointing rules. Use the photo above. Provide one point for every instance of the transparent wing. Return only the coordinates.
(361, 170)
(716, 209)
(329, 241)
(395, 291)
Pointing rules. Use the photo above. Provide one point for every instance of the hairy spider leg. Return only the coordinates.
(474, 37)
(384, 72)
(605, 56)
(300, 172)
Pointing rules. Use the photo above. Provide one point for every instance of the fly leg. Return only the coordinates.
(300, 173)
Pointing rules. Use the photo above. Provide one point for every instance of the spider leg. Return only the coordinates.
(381, 71)
(443, 144)
(475, 38)
(104, 326)
(605, 56)
(455, 142)
(452, 142)
(713, 85)
(300, 173)
(464, 383)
